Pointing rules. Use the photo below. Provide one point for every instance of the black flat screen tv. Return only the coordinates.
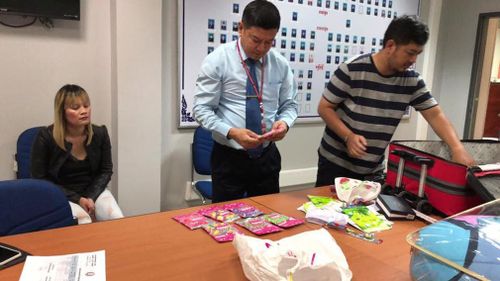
(55, 9)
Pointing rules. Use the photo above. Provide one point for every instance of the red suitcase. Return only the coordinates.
(443, 183)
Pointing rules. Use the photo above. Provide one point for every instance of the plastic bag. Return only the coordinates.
(355, 191)
(311, 255)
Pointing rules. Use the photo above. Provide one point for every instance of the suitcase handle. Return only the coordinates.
(424, 163)
(408, 156)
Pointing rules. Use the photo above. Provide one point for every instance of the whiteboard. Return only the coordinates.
(315, 36)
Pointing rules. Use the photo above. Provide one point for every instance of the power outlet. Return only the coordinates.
(14, 164)
(190, 195)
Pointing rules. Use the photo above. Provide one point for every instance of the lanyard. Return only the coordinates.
(254, 85)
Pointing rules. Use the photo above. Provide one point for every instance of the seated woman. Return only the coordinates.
(76, 155)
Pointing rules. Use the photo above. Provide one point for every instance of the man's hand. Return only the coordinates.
(278, 132)
(356, 145)
(461, 156)
(246, 138)
(88, 205)
(443, 128)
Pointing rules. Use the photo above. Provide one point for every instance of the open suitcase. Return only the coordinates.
(485, 181)
(430, 178)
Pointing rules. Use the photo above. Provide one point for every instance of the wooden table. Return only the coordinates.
(389, 260)
(155, 247)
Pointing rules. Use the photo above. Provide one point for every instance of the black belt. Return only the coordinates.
(242, 152)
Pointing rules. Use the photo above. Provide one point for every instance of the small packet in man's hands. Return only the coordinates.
(268, 135)
(271, 133)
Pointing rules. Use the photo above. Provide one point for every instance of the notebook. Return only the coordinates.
(395, 207)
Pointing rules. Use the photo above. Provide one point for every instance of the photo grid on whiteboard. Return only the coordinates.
(315, 36)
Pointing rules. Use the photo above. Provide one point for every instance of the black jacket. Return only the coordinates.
(47, 158)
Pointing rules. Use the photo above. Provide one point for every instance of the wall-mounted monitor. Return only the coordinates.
(55, 9)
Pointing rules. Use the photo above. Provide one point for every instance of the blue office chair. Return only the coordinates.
(30, 205)
(23, 153)
(202, 151)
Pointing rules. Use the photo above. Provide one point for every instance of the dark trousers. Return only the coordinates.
(328, 171)
(235, 175)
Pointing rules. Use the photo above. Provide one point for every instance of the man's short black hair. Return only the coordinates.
(405, 30)
(261, 13)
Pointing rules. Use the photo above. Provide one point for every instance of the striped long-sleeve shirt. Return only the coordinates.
(370, 104)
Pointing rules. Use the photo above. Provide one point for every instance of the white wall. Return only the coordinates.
(139, 116)
(36, 62)
(125, 53)
(115, 53)
(456, 43)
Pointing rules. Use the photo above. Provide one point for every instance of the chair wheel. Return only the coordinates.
(424, 206)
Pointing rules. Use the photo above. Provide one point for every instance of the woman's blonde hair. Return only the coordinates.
(64, 98)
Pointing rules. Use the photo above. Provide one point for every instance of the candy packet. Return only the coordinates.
(258, 225)
(320, 201)
(304, 207)
(243, 210)
(282, 220)
(221, 231)
(366, 220)
(218, 213)
(193, 220)
(324, 216)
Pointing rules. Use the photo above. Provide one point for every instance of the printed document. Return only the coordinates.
(89, 266)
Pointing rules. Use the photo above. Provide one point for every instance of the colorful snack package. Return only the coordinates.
(221, 231)
(366, 220)
(305, 207)
(243, 210)
(258, 225)
(218, 213)
(322, 216)
(193, 220)
(320, 201)
(282, 220)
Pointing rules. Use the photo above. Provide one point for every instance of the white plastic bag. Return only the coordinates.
(353, 190)
(308, 256)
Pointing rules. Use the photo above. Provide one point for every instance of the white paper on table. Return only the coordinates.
(89, 266)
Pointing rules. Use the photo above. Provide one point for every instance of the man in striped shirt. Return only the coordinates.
(365, 100)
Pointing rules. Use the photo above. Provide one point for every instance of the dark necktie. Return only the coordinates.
(253, 116)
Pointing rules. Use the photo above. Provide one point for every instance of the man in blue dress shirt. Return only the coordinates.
(246, 96)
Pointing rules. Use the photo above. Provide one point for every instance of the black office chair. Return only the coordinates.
(201, 154)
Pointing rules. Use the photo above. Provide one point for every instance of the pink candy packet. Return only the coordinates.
(193, 220)
(282, 220)
(221, 231)
(258, 225)
(243, 210)
(218, 213)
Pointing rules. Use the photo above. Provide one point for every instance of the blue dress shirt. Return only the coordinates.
(220, 98)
